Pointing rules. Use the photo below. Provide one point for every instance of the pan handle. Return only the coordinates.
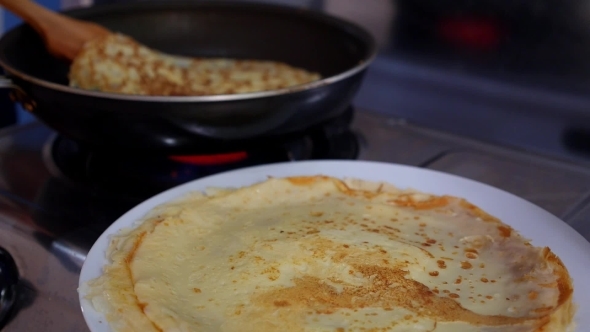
(17, 94)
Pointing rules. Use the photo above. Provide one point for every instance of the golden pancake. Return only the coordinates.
(118, 64)
(321, 254)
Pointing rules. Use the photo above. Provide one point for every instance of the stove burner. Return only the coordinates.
(214, 159)
(141, 175)
(9, 277)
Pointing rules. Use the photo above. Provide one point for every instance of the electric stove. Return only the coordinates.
(137, 175)
(57, 196)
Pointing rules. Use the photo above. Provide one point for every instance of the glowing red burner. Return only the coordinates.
(212, 159)
(479, 33)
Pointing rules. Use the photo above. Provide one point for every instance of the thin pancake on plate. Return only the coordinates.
(322, 254)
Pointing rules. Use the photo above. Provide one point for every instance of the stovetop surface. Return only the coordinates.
(48, 224)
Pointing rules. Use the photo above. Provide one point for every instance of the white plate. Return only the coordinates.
(532, 222)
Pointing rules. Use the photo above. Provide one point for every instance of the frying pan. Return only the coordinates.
(339, 50)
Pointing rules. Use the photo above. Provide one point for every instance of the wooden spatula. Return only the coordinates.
(63, 36)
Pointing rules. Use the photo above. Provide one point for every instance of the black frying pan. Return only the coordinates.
(337, 49)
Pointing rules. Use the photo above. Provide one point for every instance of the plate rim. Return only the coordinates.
(98, 249)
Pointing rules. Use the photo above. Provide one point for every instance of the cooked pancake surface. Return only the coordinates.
(118, 64)
(319, 254)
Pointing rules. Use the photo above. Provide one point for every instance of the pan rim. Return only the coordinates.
(365, 36)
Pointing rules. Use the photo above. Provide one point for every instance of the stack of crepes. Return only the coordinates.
(322, 254)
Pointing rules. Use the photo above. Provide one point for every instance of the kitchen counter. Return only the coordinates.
(49, 225)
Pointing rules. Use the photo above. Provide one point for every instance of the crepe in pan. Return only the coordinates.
(119, 64)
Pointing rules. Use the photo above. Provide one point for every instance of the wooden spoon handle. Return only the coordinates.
(63, 36)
